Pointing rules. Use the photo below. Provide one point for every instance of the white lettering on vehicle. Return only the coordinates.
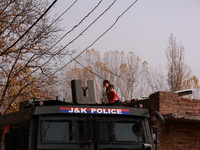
(95, 110)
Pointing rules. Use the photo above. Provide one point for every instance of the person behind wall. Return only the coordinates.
(112, 95)
(105, 91)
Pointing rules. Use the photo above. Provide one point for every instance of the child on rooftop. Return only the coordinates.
(105, 91)
(112, 95)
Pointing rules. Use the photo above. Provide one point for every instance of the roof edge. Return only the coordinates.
(181, 117)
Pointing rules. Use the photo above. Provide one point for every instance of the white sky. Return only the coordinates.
(144, 29)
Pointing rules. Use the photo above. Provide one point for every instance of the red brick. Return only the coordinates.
(184, 107)
(177, 99)
(190, 112)
(181, 134)
(175, 110)
(170, 110)
(176, 102)
(164, 98)
(163, 105)
(176, 106)
(191, 104)
(182, 103)
(161, 93)
(190, 100)
(165, 108)
(181, 111)
(197, 107)
(169, 101)
(170, 94)
(197, 112)
(190, 107)
(196, 100)
(184, 99)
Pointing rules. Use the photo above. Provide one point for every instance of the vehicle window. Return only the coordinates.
(56, 130)
(105, 131)
(82, 126)
(128, 131)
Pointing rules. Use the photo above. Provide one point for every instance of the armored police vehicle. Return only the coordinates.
(83, 124)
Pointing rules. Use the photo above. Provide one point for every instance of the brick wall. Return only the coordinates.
(180, 136)
(182, 128)
(171, 103)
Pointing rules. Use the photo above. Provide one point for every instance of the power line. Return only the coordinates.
(98, 37)
(100, 67)
(76, 36)
(66, 34)
(73, 29)
(51, 47)
(29, 28)
(88, 69)
(49, 27)
(95, 40)
(106, 30)
(64, 12)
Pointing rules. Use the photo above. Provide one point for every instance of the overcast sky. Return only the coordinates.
(143, 29)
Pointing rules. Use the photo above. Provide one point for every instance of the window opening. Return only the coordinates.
(128, 131)
(56, 131)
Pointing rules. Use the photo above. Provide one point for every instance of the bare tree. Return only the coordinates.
(29, 55)
(131, 77)
(23, 73)
(156, 80)
(178, 71)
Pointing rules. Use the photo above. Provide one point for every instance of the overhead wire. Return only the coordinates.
(100, 67)
(50, 26)
(93, 41)
(47, 27)
(29, 28)
(69, 32)
(19, 40)
(87, 68)
(64, 12)
(78, 34)
(75, 26)
(98, 37)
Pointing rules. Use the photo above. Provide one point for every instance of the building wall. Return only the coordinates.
(181, 132)
(171, 103)
(180, 136)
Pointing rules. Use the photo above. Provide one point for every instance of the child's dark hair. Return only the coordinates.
(111, 86)
(106, 81)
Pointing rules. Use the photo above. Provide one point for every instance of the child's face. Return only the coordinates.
(111, 89)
